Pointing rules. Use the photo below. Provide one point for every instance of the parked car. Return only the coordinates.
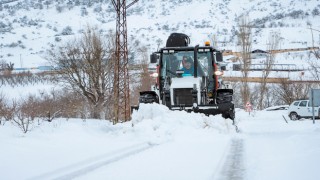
(302, 109)
(276, 108)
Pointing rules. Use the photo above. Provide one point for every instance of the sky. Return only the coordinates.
(163, 144)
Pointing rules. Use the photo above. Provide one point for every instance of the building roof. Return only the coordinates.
(259, 51)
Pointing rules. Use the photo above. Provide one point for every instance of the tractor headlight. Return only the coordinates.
(195, 105)
(154, 75)
(218, 73)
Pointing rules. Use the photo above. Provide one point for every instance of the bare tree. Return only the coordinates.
(315, 69)
(237, 100)
(273, 44)
(86, 67)
(141, 79)
(245, 42)
(145, 78)
(289, 91)
(159, 42)
(214, 41)
(315, 51)
(315, 65)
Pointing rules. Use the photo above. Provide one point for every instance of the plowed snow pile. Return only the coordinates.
(161, 144)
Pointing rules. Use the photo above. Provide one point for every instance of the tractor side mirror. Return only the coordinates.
(153, 58)
(219, 56)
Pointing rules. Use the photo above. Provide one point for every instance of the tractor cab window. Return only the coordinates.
(205, 68)
(205, 64)
(177, 61)
(183, 62)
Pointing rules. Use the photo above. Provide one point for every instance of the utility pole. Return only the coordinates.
(121, 75)
(21, 64)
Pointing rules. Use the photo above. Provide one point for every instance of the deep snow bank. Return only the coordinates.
(63, 144)
(157, 120)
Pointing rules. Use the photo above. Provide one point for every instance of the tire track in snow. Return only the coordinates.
(233, 166)
(86, 166)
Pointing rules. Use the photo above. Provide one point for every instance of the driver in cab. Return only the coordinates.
(187, 65)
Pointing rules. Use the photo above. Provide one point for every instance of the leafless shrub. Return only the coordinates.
(24, 113)
(2, 108)
(288, 91)
(26, 78)
(48, 107)
(4, 66)
(73, 106)
(61, 103)
(7, 110)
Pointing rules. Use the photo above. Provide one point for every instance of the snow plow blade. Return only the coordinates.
(146, 97)
(226, 109)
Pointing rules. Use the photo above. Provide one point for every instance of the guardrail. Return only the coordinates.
(230, 52)
(274, 67)
(268, 80)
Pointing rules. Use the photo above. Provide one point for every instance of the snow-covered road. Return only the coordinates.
(161, 144)
(277, 150)
(232, 167)
(87, 166)
(178, 159)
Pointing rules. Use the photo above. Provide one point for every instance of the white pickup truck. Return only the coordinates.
(302, 109)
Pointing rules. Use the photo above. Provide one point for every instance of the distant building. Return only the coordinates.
(258, 53)
(46, 68)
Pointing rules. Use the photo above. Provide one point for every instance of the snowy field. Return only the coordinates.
(161, 144)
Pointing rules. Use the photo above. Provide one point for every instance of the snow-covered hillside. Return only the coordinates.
(29, 28)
